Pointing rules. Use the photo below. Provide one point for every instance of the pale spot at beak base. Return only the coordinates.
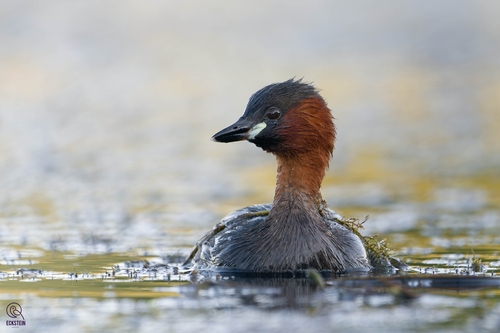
(256, 129)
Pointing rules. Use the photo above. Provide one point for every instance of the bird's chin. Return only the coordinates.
(262, 144)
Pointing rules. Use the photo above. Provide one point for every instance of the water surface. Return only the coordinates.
(107, 170)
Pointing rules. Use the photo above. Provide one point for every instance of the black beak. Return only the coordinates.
(236, 132)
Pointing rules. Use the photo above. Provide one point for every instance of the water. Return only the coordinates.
(106, 112)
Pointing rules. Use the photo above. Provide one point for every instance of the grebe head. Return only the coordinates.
(287, 119)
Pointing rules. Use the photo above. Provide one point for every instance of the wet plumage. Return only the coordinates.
(297, 231)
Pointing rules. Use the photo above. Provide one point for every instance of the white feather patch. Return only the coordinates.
(256, 129)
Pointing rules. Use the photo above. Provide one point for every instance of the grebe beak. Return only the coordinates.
(236, 132)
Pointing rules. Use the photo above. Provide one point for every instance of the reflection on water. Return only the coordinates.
(143, 296)
(108, 177)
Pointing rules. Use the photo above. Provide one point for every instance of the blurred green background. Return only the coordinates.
(112, 103)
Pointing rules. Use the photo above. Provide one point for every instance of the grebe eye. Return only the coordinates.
(273, 113)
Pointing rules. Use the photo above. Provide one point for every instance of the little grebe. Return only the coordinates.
(297, 231)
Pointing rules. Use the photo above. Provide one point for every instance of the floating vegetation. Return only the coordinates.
(380, 255)
(316, 278)
(476, 264)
